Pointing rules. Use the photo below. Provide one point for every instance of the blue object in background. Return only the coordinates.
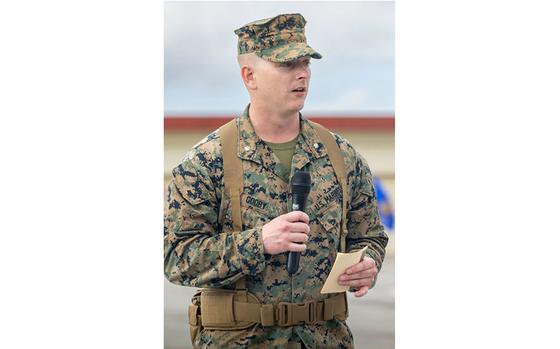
(385, 208)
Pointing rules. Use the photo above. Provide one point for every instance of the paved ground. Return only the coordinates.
(372, 318)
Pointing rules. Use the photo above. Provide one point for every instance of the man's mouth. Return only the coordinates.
(299, 89)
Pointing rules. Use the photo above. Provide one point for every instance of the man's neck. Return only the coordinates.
(274, 127)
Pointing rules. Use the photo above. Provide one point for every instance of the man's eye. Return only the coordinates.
(293, 64)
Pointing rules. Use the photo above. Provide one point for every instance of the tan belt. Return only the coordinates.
(223, 311)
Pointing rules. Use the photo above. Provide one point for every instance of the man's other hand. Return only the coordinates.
(360, 276)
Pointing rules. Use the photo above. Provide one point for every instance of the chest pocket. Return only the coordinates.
(256, 212)
(329, 217)
(326, 226)
(252, 216)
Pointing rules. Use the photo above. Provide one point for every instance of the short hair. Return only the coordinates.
(250, 59)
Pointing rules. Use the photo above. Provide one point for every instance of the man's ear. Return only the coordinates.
(248, 76)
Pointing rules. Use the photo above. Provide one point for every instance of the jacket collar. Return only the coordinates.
(252, 147)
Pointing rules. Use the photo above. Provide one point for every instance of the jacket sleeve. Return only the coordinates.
(363, 221)
(197, 253)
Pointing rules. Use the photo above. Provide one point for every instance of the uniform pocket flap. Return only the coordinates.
(194, 199)
(330, 216)
(217, 308)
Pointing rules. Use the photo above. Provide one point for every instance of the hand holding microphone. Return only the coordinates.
(301, 185)
(289, 232)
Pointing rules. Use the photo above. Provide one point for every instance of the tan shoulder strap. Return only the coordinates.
(233, 177)
(233, 170)
(335, 155)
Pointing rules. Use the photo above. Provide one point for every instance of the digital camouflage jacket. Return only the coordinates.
(201, 249)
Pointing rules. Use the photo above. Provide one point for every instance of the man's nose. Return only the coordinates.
(303, 73)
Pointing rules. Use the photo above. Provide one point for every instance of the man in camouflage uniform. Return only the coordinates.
(201, 247)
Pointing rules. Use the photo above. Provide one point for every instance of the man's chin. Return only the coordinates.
(297, 107)
(293, 107)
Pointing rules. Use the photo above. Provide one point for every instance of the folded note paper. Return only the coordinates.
(343, 261)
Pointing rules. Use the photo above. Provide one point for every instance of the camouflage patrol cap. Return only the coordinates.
(277, 39)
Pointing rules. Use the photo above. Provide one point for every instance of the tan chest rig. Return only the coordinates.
(223, 309)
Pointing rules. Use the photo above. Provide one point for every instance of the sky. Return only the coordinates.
(354, 77)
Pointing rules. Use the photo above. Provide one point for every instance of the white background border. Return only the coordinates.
(476, 164)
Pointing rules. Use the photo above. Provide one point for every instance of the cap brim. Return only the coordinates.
(288, 52)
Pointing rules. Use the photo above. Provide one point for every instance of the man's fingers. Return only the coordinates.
(297, 216)
(293, 247)
(299, 227)
(363, 265)
(298, 237)
(359, 275)
(357, 283)
(361, 291)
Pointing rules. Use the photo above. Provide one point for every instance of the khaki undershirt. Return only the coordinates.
(284, 152)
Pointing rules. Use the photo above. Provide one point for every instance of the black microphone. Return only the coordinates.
(301, 185)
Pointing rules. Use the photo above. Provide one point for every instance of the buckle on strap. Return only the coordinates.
(311, 312)
(289, 314)
(284, 314)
